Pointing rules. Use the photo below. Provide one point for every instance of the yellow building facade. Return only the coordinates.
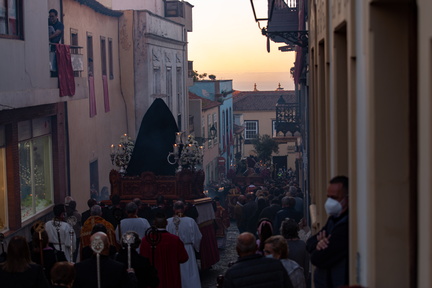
(370, 106)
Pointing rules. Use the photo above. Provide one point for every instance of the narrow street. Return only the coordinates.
(227, 255)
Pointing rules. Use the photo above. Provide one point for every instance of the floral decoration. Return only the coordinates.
(191, 154)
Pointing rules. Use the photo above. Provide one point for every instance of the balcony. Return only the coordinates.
(287, 117)
(76, 59)
(77, 62)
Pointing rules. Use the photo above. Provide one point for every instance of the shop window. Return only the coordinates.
(35, 168)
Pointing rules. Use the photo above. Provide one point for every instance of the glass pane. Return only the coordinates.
(3, 190)
(2, 16)
(42, 172)
(24, 130)
(41, 126)
(35, 175)
(25, 179)
(13, 19)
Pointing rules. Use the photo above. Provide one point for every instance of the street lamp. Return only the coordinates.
(282, 21)
(212, 132)
(260, 5)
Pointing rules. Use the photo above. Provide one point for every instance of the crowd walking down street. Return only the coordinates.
(126, 251)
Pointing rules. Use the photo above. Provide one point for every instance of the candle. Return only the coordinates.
(176, 146)
(178, 137)
(112, 148)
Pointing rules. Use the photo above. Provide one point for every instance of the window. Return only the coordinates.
(173, 9)
(110, 58)
(90, 71)
(156, 81)
(251, 130)
(169, 87)
(74, 50)
(209, 124)
(35, 171)
(203, 126)
(274, 134)
(3, 187)
(90, 66)
(104, 74)
(179, 90)
(215, 124)
(11, 19)
(103, 56)
(190, 69)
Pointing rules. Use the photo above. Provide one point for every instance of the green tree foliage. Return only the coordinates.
(198, 77)
(264, 147)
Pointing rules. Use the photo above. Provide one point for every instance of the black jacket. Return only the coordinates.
(257, 271)
(146, 274)
(31, 278)
(332, 262)
(113, 274)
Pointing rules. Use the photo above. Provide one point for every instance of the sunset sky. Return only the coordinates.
(227, 42)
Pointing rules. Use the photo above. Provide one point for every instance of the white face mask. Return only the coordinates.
(269, 256)
(333, 207)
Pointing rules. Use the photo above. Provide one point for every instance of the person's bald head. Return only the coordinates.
(246, 244)
(104, 239)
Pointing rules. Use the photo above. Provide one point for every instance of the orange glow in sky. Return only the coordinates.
(227, 42)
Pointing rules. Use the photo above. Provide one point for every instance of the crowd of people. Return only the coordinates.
(271, 224)
(113, 246)
(134, 245)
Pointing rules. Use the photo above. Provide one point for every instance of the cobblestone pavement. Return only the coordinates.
(227, 255)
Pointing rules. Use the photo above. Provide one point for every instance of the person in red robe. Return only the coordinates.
(169, 253)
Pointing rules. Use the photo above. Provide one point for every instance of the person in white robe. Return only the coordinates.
(61, 234)
(132, 223)
(188, 231)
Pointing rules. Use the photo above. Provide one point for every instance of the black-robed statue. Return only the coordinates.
(155, 140)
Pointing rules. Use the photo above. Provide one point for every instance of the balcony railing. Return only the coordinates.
(76, 60)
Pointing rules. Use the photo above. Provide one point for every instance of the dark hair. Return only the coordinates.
(289, 228)
(18, 255)
(62, 273)
(265, 233)
(160, 220)
(341, 180)
(137, 201)
(115, 199)
(53, 11)
(131, 208)
(59, 209)
(160, 200)
(276, 201)
(98, 228)
(288, 201)
(72, 205)
(91, 202)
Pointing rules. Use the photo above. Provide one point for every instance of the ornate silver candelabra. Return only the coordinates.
(121, 154)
